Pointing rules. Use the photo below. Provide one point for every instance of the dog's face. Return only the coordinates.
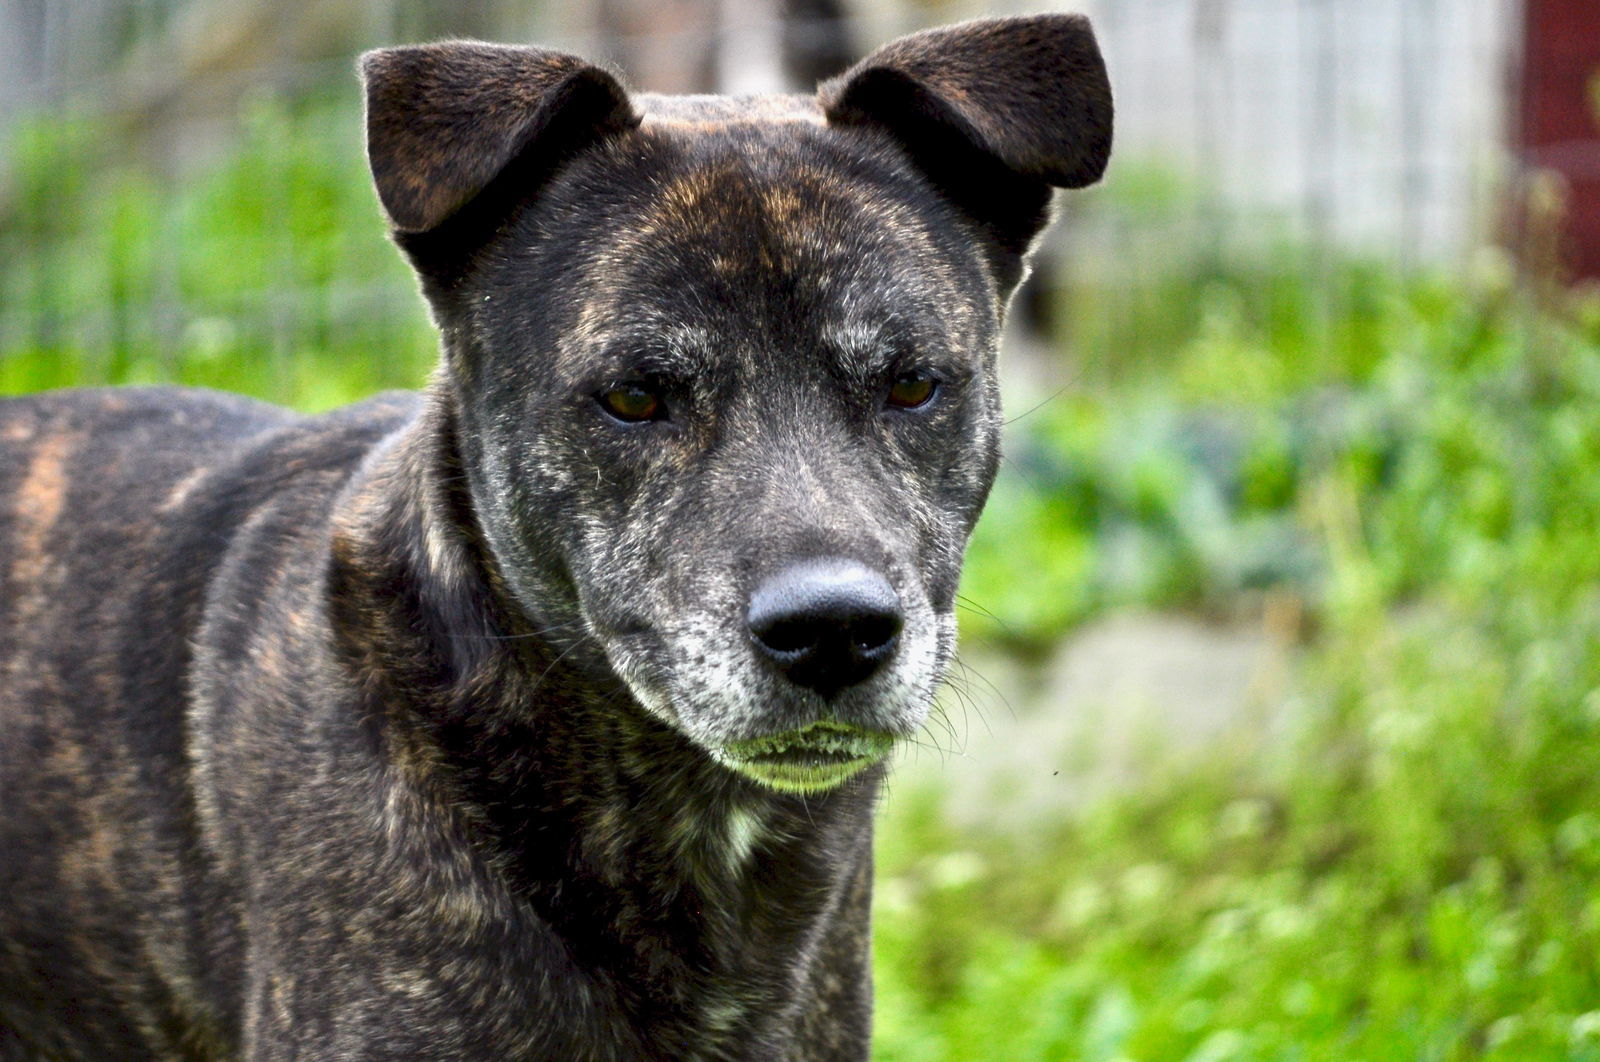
(718, 350)
(725, 369)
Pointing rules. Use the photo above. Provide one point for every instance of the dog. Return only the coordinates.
(542, 715)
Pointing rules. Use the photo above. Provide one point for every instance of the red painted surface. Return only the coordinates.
(1560, 129)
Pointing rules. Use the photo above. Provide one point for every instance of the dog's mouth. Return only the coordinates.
(808, 760)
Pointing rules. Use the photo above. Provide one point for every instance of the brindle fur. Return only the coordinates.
(385, 734)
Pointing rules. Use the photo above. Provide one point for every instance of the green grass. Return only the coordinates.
(1408, 873)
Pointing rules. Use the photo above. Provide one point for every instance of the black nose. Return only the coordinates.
(827, 623)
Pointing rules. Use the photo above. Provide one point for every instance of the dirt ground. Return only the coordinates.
(1118, 697)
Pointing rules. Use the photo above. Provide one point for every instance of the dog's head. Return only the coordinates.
(725, 368)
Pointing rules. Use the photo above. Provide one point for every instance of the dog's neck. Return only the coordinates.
(649, 857)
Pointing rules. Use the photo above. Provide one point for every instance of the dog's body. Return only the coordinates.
(541, 717)
(281, 861)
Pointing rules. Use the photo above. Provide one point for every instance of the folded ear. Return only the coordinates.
(443, 120)
(989, 109)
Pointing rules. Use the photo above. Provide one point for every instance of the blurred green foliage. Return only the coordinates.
(1409, 874)
(1412, 875)
(1425, 407)
(268, 273)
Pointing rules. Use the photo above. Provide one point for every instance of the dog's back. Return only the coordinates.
(108, 904)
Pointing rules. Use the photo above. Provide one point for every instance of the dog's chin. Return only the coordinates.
(811, 759)
(795, 741)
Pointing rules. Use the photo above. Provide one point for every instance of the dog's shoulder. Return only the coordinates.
(137, 458)
(102, 486)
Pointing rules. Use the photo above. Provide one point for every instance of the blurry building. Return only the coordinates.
(1374, 125)
(1559, 130)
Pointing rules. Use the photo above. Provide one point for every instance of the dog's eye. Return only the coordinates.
(632, 403)
(912, 389)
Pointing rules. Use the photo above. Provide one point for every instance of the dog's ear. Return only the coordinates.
(991, 111)
(444, 120)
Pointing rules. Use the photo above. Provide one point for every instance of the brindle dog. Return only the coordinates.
(542, 716)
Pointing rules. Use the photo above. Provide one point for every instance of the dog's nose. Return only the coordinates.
(827, 623)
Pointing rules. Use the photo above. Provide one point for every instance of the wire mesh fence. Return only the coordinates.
(154, 146)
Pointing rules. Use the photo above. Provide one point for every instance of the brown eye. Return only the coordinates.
(912, 389)
(632, 403)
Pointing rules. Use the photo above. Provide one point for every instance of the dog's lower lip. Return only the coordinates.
(807, 760)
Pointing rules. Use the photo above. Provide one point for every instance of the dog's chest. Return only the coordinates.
(715, 917)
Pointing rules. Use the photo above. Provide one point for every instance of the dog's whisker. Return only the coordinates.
(1051, 397)
(968, 604)
(538, 683)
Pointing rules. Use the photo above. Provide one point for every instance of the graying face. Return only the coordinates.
(730, 388)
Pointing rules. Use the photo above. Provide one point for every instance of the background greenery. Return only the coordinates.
(1405, 870)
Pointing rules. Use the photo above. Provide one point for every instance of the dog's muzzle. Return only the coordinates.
(825, 624)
